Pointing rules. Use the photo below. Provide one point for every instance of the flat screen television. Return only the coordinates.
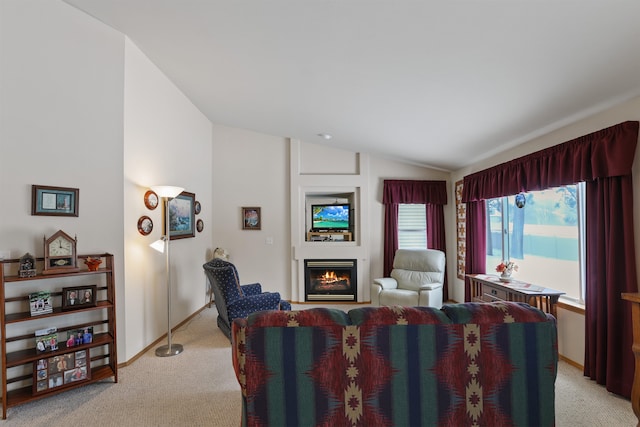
(336, 217)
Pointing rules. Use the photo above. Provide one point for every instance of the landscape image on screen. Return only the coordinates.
(330, 217)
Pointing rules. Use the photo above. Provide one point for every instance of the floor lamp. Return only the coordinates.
(167, 193)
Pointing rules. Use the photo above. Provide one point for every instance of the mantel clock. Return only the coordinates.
(60, 255)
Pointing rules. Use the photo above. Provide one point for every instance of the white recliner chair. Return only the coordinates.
(417, 279)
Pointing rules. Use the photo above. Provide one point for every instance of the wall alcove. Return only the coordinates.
(330, 217)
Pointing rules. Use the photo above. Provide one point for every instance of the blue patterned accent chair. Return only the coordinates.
(234, 300)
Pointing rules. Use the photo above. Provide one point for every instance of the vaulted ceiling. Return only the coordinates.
(441, 83)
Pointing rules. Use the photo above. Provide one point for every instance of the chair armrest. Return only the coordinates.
(430, 286)
(251, 289)
(249, 304)
(386, 283)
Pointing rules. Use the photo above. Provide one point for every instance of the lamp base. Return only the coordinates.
(166, 351)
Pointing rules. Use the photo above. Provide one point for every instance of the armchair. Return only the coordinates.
(234, 300)
(417, 279)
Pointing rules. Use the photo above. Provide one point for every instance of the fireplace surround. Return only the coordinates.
(330, 279)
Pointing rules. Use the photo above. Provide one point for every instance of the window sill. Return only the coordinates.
(570, 306)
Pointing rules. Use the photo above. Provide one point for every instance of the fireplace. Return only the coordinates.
(330, 279)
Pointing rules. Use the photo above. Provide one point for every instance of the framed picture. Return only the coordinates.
(79, 297)
(76, 337)
(151, 199)
(40, 303)
(182, 216)
(145, 225)
(60, 370)
(54, 201)
(251, 219)
(199, 225)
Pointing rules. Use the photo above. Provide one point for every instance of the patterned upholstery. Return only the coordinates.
(234, 300)
(398, 366)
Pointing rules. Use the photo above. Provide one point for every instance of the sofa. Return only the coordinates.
(469, 364)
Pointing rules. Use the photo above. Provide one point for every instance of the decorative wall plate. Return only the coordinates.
(145, 225)
(196, 207)
(199, 225)
(151, 199)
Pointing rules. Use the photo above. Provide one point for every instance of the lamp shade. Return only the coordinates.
(158, 245)
(167, 190)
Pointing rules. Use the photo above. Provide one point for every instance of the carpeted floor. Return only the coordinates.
(198, 388)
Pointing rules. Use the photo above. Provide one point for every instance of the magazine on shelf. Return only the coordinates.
(40, 303)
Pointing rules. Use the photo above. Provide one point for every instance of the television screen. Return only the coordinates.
(330, 217)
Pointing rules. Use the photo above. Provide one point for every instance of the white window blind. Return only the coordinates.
(412, 226)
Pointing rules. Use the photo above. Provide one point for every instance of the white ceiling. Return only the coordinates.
(441, 83)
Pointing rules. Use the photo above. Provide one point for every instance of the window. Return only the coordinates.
(545, 238)
(412, 226)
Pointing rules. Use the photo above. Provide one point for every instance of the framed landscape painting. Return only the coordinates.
(182, 216)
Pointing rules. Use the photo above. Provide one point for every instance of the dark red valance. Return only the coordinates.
(606, 153)
(411, 191)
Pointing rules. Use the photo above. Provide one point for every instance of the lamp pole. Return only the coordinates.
(170, 349)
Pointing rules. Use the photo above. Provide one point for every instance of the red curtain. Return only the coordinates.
(611, 270)
(431, 193)
(603, 160)
(476, 238)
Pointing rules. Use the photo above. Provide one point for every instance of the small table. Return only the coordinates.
(634, 299)
(489, 288)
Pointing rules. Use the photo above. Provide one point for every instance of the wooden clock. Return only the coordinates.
(60, 255)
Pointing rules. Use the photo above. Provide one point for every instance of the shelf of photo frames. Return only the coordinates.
(89, 362)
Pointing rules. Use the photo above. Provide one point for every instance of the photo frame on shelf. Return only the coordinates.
(51, 373)
(76, 337)
(181, 216)
(40, 303)
(54, 201)
(46, 340)
(77, 297)
(251, 218)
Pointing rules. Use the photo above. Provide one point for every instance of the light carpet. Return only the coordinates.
(199, 388)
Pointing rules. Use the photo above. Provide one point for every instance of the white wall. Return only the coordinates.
(73, 94)
(167, 141)
(570, 324)
(61, 121)
(252, 169)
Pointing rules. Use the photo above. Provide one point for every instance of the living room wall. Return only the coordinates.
(61, 119)
(72, 91)
(167, 141)
(570, 321)
(253, 169)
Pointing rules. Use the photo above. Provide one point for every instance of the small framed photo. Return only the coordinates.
(151, 200)
(76, 337)
(79, 297)
(182, 222)
(251, 219)
(40, 303)
(54, 201)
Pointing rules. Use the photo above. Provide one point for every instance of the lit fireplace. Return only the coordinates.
(330, 280)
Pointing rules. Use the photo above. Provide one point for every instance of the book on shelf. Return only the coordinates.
(40, 303)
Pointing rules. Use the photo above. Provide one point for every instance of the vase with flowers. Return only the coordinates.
(506, 268)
